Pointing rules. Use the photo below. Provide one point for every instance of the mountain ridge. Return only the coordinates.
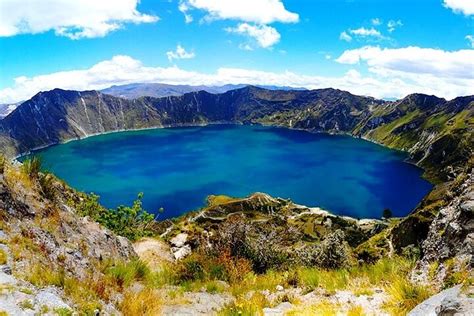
(157, 90)
(413, 124)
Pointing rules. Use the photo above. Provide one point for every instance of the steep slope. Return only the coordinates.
(438, 134)
(50, 255)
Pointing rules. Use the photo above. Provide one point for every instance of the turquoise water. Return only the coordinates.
(177, 168)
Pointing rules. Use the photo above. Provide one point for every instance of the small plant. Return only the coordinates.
(145, 302)
(3, 256)
(404, 296)
(31, 167)
(26, 304)
(355, 310)
(63, 311)
(322, 308)
(123, 273)
(3, 161)
(46, 182)
(191, 269)
(246, 307)
(40, 275)
(334, 252)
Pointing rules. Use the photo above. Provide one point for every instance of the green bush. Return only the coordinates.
(131, 222)
(32, 166)
(123, 273)
(46, 182)
(335, 253)
(191, 269)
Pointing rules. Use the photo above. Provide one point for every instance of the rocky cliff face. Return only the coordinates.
(49, 255)
(450, 235)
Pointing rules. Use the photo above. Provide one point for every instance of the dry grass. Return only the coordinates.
(404, 296)
(142, 303)
(322, 308)
(246, 306)
(3, 256)
(356, 310)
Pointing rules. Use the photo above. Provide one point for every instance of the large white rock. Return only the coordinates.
(179, 240)
(182, 252)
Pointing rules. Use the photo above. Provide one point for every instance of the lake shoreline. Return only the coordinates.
(245, 143)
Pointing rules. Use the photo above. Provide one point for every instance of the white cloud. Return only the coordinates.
(124, 69)
(465, 7)
(376, 21)
(363, 34)
(74, 19)
(179, 53)
(470, 39)
(255, 17)
(362, 31)
(266, 36)
(392, 25)
(246, 47)
(256, 11)
(413, 60)
(345, 37)
(183, 7)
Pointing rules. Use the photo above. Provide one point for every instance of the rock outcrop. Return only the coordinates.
(44, 242)
(446, 303)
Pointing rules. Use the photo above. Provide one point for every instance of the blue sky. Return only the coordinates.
(382, 48)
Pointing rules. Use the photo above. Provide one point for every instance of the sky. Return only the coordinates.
(385, 49)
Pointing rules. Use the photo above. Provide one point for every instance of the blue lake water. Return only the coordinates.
(177, 168)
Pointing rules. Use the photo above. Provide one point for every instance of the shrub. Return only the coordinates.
(232, 235)
(191, 268)
(263, 247)
(266, 252)
(124, 273)
(387, 213)
(131, 222)
(334, 253)
(234, 268)
(46, 182)
(31, 167)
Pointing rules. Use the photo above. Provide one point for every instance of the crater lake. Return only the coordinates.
(177, 168)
